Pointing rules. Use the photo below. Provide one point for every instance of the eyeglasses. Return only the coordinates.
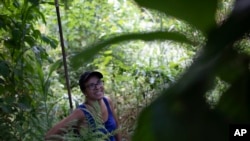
(92, 86)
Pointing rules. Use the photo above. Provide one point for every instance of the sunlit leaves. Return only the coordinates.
(188, 10)
(23, 52)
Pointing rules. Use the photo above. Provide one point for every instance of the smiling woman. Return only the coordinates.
(92, 87)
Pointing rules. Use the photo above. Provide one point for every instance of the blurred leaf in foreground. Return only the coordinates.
(86, 54)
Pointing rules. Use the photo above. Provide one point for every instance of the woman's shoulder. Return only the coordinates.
(77, 114)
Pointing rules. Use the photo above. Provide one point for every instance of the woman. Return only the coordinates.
(91, 85)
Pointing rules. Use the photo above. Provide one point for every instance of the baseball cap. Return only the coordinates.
(86, 75)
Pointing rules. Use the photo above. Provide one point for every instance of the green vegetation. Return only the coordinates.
(179, 70)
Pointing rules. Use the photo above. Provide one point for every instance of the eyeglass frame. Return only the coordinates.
(94, 85)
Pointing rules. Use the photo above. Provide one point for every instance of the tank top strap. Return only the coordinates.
(107, 105)
(89, 117)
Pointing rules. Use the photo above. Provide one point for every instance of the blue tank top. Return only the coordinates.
(110, 124)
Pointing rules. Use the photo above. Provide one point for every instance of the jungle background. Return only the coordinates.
(179, 70)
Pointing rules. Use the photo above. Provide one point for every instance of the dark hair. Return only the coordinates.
(85, 76)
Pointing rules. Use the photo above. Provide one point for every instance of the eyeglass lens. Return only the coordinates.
(93, 86)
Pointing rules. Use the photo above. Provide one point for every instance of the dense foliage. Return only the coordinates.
(24, 85)
(172, 65)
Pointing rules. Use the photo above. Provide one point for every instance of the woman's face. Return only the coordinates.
(94, 89)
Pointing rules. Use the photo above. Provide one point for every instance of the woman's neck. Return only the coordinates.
(93, 102)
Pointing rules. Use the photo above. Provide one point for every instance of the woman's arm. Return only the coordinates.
(118, 136)
(76, 116)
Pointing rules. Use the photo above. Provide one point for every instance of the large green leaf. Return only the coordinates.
(237, 93)
(90, 51)
(239, 90)
(181, 112)
(200, 13)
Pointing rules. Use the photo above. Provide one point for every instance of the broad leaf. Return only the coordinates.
(90, 51)
(181, 113)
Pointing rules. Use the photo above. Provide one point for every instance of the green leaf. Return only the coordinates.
(144, 133)
(4, 69)
(16, 34)
(30, 40)
(16, 4)
(200, 13)
(237, 93)
(181, 112)
(52, 42)
(40, 14)
(36, 33)
(89, 52)
(55, 66)
(174, 120)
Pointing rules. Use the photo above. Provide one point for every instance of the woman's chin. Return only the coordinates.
(99, 95)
